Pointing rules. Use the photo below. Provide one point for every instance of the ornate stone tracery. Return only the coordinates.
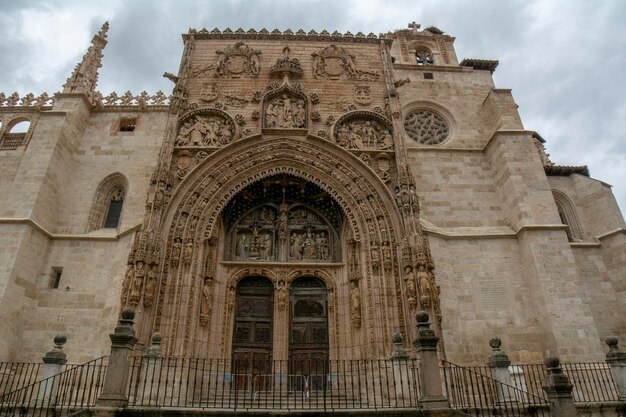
(426, 127)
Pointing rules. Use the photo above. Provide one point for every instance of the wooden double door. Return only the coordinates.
(307, 334)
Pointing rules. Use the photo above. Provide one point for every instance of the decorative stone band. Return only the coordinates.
(142, 100)
(279, 34)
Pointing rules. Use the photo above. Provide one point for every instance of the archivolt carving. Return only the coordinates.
(196, 207)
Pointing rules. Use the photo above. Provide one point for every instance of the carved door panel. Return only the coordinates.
(308, 333)
(252, 334)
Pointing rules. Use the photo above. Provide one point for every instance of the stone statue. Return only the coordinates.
(205, 304)
(188, 251)
(266, 247)
(135, 290)
(410, 287)
(355, 304)
(323, 247)
(296, 247)
(242, 247)
(423, 279)
(128, 279)
(176, 249)
(309, 247)
(148, 291)
(281, 295)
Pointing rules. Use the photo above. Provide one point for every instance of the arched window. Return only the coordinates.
(106, 211)
(16, 133)
(568, 216)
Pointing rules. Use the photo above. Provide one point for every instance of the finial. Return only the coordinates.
(104, 29)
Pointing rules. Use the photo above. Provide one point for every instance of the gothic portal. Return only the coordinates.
(300, 196)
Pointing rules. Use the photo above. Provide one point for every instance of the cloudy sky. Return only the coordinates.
(564, 59)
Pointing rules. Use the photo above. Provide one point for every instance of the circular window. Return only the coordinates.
(426, 127)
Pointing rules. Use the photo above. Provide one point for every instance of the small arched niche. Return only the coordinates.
(283, 219)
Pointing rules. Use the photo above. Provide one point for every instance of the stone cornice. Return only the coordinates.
(617, 231)
(287, 35)
(60, 236)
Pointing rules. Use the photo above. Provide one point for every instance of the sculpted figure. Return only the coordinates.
(423, 279)
(355, 304)
(286, 119)
(296, 247)
(323, 247)
(299, 115)
(242, 247)
(309, 248)
(205, 305)
(128, 279)
(188, 251)
(281, 295)
(266, 247)
(271, 114)
(176, 249)
(135, 291)
(410, 287)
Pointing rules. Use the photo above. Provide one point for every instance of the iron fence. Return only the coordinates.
(474, 392)
(273, 385)
(593, 381)
(74, 389)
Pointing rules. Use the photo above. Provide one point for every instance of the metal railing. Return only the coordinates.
(593, 381)
(474, 392)
(272, 385)
(15, 375)
(74, 389)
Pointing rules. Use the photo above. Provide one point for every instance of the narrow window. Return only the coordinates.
(114, 211)
(128, 124)
(428, 76)
(55, 279)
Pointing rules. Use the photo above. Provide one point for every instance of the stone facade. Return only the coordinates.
(301, 194)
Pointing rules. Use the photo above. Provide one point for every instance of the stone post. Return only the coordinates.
(556, 384)
(617, 361)
(401, 373)
(116, 379)
(53, 365)
(499, 363)
(431, 387)
(151, 370)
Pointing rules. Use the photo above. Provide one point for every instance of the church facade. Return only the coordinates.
(301, 196)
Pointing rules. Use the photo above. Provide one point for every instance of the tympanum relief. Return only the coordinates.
(283, 220)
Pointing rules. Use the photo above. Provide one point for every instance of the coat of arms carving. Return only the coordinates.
(237, 60)
(334, 61)
(363, 95)
(209, 92)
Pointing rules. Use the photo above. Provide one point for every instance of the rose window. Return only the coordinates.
(426, 127)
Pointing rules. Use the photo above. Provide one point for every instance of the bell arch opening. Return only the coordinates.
(283, 218)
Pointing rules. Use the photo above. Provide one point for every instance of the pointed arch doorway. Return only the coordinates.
(308, 331)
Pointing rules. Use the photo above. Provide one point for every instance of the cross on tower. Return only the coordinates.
(414, 26)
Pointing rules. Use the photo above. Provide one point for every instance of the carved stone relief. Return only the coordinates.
(426, 127)
(209, 91)
(363, 95)
(333, 61)
(363, 132)
(285, 111)
(206, 128)
(237, 60)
